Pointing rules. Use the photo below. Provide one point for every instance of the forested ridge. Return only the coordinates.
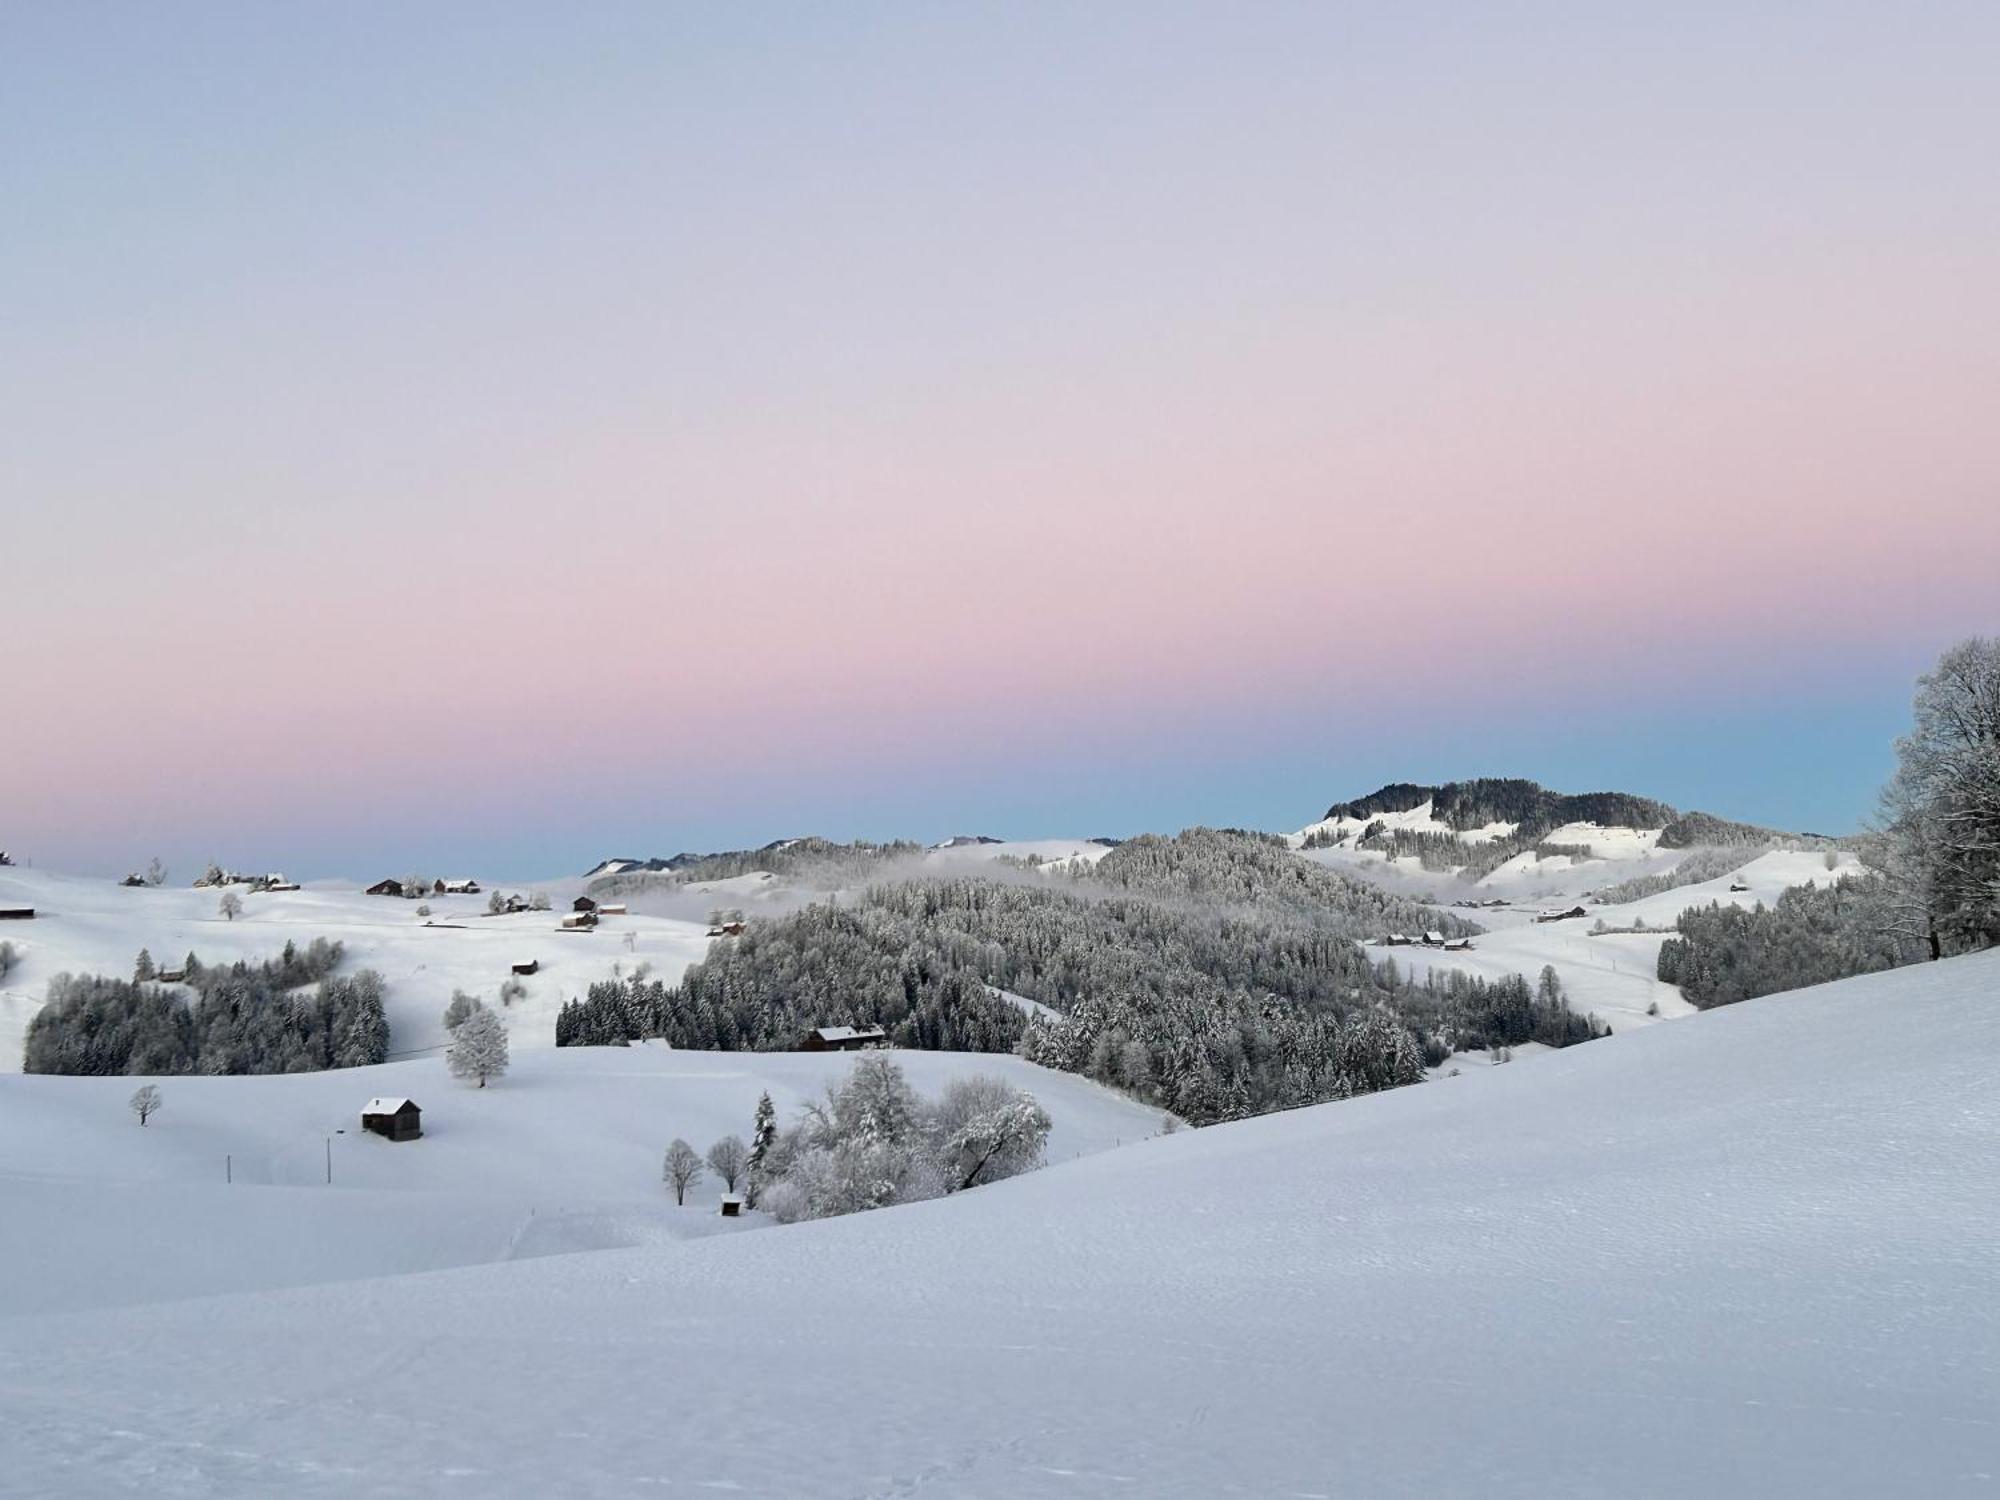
(1215, 1007)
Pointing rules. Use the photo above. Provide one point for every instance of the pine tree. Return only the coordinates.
(763, 1136)
(143, 969)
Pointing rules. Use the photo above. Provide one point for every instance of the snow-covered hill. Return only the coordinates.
(563, 1154)
(1750, 1254)
(95, 926)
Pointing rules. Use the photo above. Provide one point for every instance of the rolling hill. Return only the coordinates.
(1743, 1255)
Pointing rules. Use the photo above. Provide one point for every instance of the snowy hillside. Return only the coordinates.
(563, 1154)
(95, 926)
(1746, 1255)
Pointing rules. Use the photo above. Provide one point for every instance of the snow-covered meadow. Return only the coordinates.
(1747, 1254)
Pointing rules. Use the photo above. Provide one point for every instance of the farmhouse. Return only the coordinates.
(611, 909)
(1561, 916)
(1459, 945)
(397, 1119)
(386, 888)
(171, 976)
(843, 1038)
(456, 888)
(732, 929)
(579, 921)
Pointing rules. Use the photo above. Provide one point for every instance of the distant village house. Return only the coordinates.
(843, 1038)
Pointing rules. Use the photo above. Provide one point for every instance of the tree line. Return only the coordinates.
(242, 1018)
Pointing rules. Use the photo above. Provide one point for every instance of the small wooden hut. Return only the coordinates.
(396, 1119)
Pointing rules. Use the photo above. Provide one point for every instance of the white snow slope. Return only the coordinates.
(1751, 1254)
(564, 1153)
(96, 926)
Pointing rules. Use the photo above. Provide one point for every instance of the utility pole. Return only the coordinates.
(228, 1169)
(329, 1161)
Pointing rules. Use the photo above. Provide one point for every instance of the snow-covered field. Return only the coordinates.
(1612, 975)
(562, 1154)
(1750, 1254)
(95, 926)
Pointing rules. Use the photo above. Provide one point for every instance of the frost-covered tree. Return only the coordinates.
(512, 988)
(156, 873)
(461, 1007)
(682, 1168)
(1941, 809)
(231, 906)
(142, 967)
(728, 1159)
(985, 1129)
(495, 904)
(478, 1047)
(538, 901)
(145, 1103)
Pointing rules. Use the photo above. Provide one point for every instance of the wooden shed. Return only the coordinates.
(732, 1206)
(17, 913)
(843, 1038)
(385, 888)
(528, 966)
(397, 1119)
(583, 903)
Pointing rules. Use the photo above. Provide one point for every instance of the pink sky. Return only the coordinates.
(681, 408)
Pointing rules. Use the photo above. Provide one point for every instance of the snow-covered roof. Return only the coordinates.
(387, 1106)
(845, 1033)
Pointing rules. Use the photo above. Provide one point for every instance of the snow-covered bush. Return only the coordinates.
(873, 1142)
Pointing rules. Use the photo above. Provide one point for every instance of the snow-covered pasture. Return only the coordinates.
(1749, 1254)
(95, 926)
(1613, 975)
(562, 1154)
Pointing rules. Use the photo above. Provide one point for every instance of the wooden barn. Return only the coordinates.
(17, 913)
(385, 888)
(397, 1119)
(843, 1038)
(611, 908)
(455, 888)
(583, 903)
(528, 966)
(579, 921)
(732, 929)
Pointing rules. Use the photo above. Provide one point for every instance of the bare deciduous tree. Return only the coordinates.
(231, 905)
(146, 1102)
(727, 1159)
(682, 1169)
